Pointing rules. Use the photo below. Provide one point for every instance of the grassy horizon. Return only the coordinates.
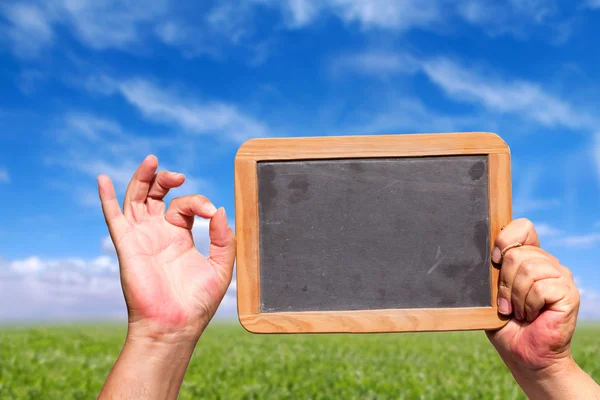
(71, 361)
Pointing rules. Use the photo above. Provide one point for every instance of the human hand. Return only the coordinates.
(540, 295)
(171, 290)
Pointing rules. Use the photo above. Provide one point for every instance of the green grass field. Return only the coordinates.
(71, 362)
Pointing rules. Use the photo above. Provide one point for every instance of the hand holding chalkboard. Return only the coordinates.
(543, 300)
(370, 233)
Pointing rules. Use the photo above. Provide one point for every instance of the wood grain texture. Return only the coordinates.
(331, 147)
(500, 195)
(402, 320)
(246, 226)
(378, 321)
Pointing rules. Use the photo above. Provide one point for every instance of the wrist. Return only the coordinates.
(160, 345)
(149, 367)
(156, 334)
(552, 382)
(160, 348)
(559, 369)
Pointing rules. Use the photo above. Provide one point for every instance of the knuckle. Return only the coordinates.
(504, 289)
(511, 256)
(516, 300)
(565, 273)
(569, 274)
(516, 295)
(538, 288)
(552, 258)
(503, 279)
(523, 223)
(527, 224)
(528, 268)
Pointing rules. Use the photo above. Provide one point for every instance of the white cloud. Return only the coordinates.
(170, 32)
(545, 230)
(526, 198)
(590, 301)
(484, 88)
(92, 127)
(222, 119)
(120, 173)
(584, 240)
(213, 117)
(127, 26)
(32, 264)
(230, 19)
(191, 39)
(96, 145)
(107, 246)
(523, 206)
(297, 12)
(523, 98)
(227, 25)
(4, 176)
(206, 29)
(201, 236)
(103, 24)
(513, 17)
(98, 24)
(396, 15)
(510, 17)
(404, 115)
(62, 288)
(593, 3)
(28, 28)
(76, 288)
(93, 145)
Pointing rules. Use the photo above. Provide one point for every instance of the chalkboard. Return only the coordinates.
(374, 234)
(370, 234)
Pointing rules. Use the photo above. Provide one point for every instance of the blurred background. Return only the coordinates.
(92, 87)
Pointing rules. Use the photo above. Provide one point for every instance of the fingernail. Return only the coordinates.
(210, 207)
(496, 255)
(503, 306)
(223, 211)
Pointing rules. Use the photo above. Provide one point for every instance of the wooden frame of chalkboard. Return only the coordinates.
(254, 151)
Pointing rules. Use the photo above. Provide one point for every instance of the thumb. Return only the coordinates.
(115, 220)
(222, 243)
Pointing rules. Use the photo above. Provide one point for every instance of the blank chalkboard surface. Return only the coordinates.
(374, 234)
(370, 234)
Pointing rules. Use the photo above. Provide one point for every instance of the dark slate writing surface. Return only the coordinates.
(365, 234)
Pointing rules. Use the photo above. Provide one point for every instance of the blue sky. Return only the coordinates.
(91, 87)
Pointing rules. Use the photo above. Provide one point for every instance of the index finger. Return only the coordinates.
(137, 190)
(518, 232)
